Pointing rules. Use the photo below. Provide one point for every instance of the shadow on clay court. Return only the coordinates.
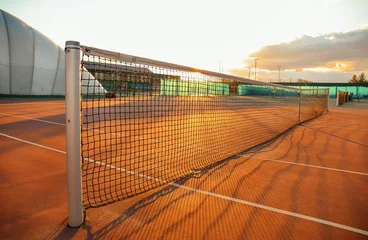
(329, 133)
(169, 196)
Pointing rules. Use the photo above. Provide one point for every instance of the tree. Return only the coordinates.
(354, 79)
(361, 79)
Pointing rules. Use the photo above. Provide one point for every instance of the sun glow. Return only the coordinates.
(318, 69)
(330, 38)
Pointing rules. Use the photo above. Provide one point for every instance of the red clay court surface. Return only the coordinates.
(311, 183)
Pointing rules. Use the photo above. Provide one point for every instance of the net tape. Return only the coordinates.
(146, 122)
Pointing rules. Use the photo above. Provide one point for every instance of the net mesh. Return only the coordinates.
(313, 103)
(144, 125)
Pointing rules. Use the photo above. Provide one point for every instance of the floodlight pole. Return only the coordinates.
(255, 68)
(73, 132)
(279, 67)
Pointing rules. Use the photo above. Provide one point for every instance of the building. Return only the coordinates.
(30, 63)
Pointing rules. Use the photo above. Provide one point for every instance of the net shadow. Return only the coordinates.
(169, 196)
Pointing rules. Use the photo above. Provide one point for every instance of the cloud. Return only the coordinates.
(334, 52)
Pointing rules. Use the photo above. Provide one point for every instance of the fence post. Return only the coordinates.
(73, 132)
(328, 99)
(300, 105)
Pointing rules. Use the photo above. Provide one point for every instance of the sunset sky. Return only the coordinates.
(316, 40)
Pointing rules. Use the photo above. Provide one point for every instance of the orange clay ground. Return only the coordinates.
(311, 183)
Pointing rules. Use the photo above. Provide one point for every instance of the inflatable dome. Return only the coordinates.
(30, 63)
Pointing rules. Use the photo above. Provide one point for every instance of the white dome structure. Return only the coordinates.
(30, 63)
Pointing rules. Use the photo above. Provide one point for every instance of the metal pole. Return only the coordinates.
(337, 98)
(73, 132)
(255, 68)
(279, 67)
(328, 99)
(336, 91)
(300, 105)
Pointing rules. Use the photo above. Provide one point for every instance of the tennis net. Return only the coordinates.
(146, 123)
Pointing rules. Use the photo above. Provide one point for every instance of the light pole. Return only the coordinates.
(279, 67)
(255, 68)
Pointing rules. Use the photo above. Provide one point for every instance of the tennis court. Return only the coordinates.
(309, 183)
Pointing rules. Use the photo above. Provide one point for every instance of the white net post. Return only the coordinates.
(73, 131)
(337, 98)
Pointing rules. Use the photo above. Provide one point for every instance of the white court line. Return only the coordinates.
(293, 163)
(364, 129)
(63, 124)
(309, 165)
(32, 143)
(34, 119)
(216, 195)
(44, 121)
(315, 126)
(54, 123)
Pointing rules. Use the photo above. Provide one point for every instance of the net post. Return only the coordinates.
(337, 98)
(73, 132)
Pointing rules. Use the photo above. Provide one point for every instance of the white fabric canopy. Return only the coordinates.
(30, 63)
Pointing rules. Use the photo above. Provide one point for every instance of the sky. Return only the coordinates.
(315, 40)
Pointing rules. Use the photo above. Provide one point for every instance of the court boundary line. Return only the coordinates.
(33, 119)
(308, 165)
(363, 129)
(216, 195)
